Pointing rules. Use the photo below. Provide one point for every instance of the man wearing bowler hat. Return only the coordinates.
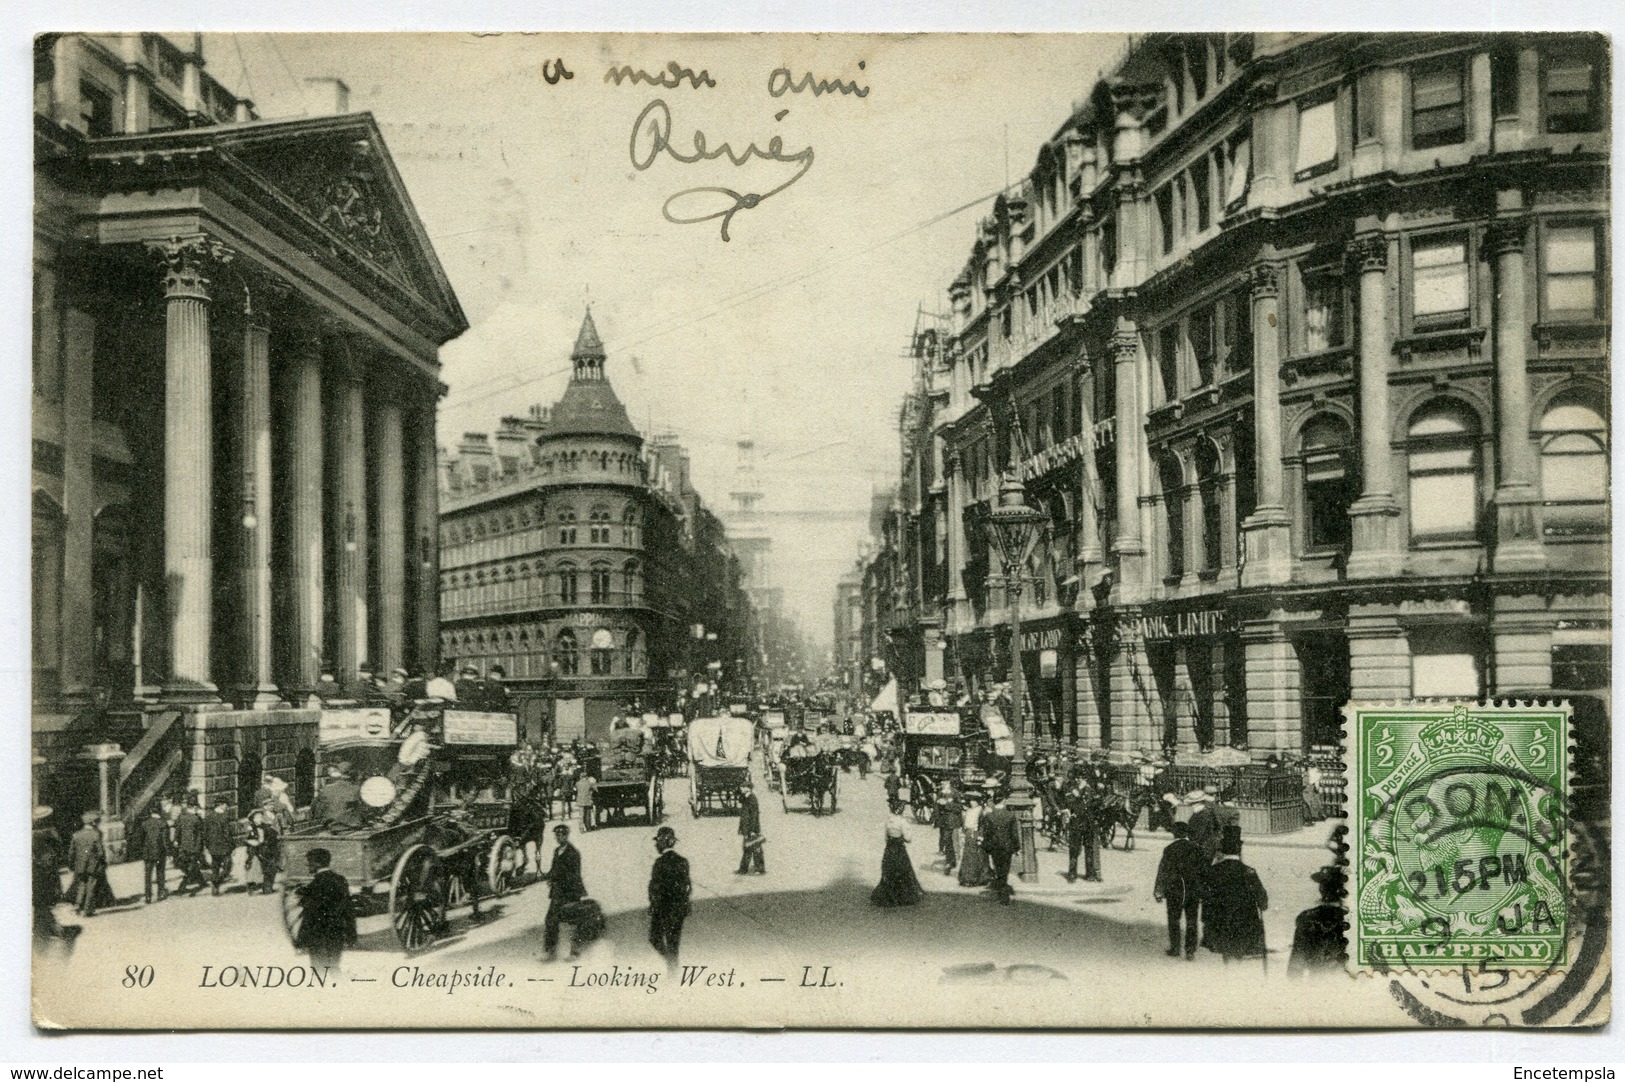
(565, 888)
(669, 890)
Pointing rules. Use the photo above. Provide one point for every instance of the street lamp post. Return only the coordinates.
(1015, 528)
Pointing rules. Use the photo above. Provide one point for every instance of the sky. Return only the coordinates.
(793, 331)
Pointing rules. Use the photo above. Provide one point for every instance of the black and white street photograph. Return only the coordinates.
(820, 531)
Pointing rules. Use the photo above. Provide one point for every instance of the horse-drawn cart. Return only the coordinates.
(807, 768)
(429, 829)
(718, 762)
(628, 781)
(936, 751)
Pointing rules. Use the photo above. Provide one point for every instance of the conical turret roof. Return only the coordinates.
(590, 406)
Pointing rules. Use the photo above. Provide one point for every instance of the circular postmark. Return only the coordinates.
(1484, 900)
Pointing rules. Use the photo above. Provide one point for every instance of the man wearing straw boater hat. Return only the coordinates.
(1205, 822)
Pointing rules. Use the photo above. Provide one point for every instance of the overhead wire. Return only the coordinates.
(751, 293)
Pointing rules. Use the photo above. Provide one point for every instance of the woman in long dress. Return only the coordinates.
(973, 865)
(898, 883)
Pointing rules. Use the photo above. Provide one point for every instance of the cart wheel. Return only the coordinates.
(293, 910)
(499, 865)
(417, 897)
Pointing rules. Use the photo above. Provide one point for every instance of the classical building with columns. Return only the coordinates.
(1301, 342)
(236, 335)
(580, 559)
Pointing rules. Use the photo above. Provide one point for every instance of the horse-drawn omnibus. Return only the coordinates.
(431, 826)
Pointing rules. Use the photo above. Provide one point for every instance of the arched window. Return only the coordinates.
(567, 525)
(634, 653)
(1574, 468)
(629, 525)
(1210, 495)
(603, 461)
(567, 584)
(631, 579)
(600, 584)
(565, 654)
(1442, 449)
(1328, 483)
(1173, 508)
(599, 525)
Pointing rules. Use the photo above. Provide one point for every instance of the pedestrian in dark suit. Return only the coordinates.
(470, 689)
(1001, 840)
(753, 843)
(894, 790)
(220, 840)
(950, 820)
(265, 844)
(153, 834)
(87, 859)
(1082, 826)
(564, 888)
(189, 846)
(1181, 879)
(328, 923)
(669, 891)
(1232, 912)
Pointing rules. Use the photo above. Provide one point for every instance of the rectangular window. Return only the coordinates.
(1444, 492)
(1444, 669)
(1004, 322)
(1323, 319)
(1438, 106)
(1580, 667)
(1168, 361)
(1569, 261)
(1238, 332)
(1571, 94)
(1108, 245)
(1203, 351)
(1367, 106)
(1201, 189)
(1326, 497)
(1165, 216)
(1504, 82)
(1317, 137)
(1439, 281)
(95, 110)
(1240, 170)
(1074, 270)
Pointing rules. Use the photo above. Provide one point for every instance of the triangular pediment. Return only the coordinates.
(337, 174)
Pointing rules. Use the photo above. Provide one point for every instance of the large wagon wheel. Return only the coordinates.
(417, 897)
(500, 861)
(293, 910)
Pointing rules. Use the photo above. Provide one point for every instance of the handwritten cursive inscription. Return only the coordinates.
(651, 136)
(671, 78)
(782, 82)
(553, 71)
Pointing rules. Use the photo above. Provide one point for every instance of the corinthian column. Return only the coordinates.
(188, 459)
(305, 510)
(258, 690)
(391, 516)
(1128, 547)
(1374, 517)
(1517, 506)
(1267, 531)
(346, 439)
(426, 485)
(953, 466)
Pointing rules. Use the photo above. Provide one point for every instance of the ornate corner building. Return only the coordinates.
(1301, 341)
(583, 562)
(235, 376)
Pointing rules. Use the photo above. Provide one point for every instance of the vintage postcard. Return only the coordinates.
(821, 531)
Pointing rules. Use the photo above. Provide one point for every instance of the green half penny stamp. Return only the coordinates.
(1459, 833)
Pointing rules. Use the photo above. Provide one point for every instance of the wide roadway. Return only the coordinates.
(811, 909)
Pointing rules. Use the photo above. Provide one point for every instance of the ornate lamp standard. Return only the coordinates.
(1016, 528)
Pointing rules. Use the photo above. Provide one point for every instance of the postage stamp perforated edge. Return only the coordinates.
(1465, 738)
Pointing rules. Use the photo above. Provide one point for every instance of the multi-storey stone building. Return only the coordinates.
(1301, 342)
(583, 562)
(235, 376)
